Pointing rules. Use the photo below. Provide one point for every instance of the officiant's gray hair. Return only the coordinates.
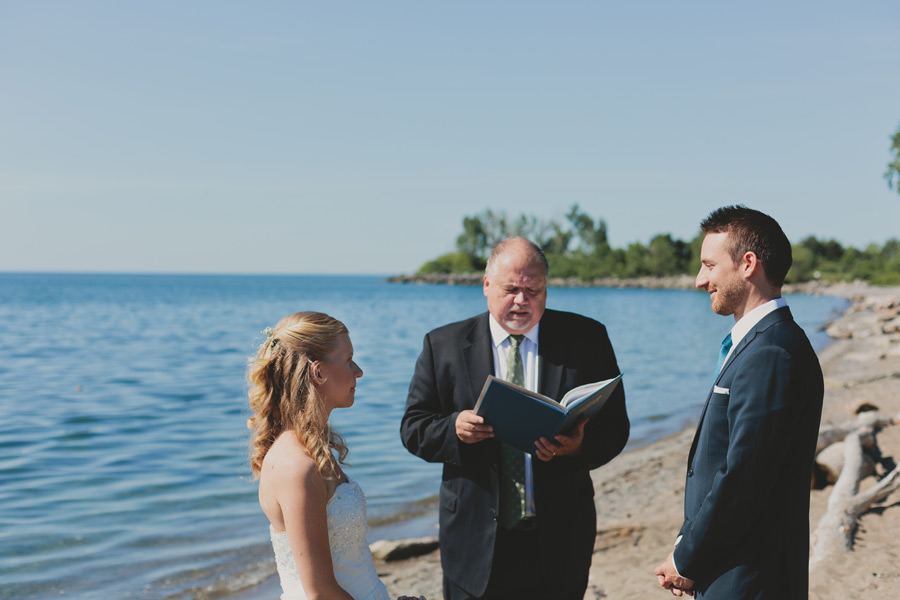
(534, 252)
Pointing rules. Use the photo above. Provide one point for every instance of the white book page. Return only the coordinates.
(582, 391)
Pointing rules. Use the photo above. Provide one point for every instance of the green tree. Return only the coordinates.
(525, 226)
(590, 238)
(892, 175)
(482, 232)
(803, 267)
(889, 264)
(666, 256)
(827, 250)
(474, 238)
(454, 262)
(555, 241)
(636, 258)
(696, 244)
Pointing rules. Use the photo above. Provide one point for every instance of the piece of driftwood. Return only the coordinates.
(834, 533)
(869, 421)
(830, 461)
(401, 549)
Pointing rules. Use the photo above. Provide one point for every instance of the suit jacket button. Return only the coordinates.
(690, 472)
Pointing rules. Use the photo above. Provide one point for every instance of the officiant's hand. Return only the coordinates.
(561, 445)
(471, 428)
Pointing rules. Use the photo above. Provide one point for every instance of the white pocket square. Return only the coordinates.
(718, 390)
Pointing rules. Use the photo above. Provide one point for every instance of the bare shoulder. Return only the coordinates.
(288, 461)
(288, 476)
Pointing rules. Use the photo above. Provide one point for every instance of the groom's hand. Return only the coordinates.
(471, 428)
(669, 578)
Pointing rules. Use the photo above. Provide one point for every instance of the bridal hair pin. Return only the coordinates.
(269, 333)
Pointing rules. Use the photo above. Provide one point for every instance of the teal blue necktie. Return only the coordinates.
(723, 352)
(512, 464)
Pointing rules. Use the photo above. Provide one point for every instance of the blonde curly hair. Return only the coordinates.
(283, 396)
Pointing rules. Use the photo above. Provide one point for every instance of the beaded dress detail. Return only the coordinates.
(350, 555)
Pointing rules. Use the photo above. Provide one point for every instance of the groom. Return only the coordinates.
(746, 500)
(511, 527)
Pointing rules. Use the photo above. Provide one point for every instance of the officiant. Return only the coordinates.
(513, 524)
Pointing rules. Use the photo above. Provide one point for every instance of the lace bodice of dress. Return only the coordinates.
(350, 555)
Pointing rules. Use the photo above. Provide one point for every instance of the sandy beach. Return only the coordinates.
(639, 494)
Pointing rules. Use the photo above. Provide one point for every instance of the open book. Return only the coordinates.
(520, 416)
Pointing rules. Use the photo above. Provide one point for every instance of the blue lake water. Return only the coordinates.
(123, 441)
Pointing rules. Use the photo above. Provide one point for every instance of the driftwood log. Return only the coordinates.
(834, 533)
(830, 462)
(868, 422)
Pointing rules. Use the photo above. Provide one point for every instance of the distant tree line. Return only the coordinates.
(579, 247)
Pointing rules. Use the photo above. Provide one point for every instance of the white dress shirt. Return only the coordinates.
(749, 321)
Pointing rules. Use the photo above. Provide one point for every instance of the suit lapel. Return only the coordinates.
(478, 356)
(697, 431)
(478, 361)
(551, 351)
(777, 315)
(770, 319)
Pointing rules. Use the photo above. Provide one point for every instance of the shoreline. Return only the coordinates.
(639, 494)
(667, 282)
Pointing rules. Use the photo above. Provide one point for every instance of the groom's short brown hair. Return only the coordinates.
(752, 231)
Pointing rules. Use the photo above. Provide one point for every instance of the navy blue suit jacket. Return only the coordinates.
(746, 502)
(450, 372)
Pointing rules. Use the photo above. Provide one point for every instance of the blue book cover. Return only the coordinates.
(520, 416)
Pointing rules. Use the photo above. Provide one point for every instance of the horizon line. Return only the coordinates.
(195, 273)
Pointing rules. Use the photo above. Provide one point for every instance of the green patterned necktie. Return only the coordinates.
(512, 465)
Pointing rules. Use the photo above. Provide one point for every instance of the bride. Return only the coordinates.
(302, 371)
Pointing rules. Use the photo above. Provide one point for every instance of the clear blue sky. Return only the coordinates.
(353, 137)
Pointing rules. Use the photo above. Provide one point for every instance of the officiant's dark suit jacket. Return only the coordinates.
(746, 500)
(450, 373)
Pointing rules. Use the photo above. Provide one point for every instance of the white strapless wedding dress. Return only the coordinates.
(353, 566)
